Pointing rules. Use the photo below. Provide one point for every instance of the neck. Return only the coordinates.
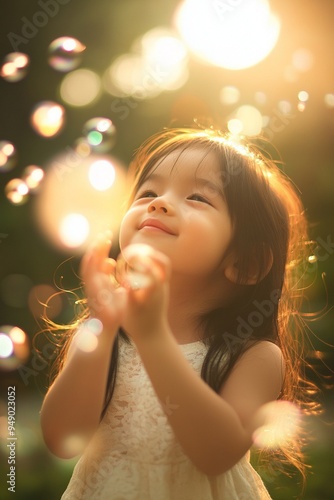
(189, 300)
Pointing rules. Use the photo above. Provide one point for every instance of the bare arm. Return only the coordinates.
(73, 404)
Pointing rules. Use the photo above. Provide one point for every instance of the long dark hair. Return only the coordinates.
(269, 227)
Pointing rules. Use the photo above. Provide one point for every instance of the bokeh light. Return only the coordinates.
(17, 191)
(81, 87)
(329, 100)
(8, 156)
(234, 38)
(133, 265)
(33, 176)
(159, 62)
(73, 230)
(247, 120)
(65, 53)
(101, 174)
(74, 205)
(86, 338)
(279, 424)
(229, 95)
(15, 66)
(48, 118)
(302, 60)
(14, 347)
(100, 134)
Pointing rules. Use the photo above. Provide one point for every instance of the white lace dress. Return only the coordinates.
(135, 455)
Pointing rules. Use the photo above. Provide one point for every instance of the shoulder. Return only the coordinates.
(256, 378)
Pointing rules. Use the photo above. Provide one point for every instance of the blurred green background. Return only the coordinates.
(302, 130)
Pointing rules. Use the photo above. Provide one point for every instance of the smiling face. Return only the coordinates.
(180, 210)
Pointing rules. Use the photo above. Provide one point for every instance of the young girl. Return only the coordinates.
(166, 398)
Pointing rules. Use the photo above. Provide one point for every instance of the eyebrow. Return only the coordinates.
(199, 181)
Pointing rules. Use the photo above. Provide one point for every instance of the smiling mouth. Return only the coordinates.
(155, 225)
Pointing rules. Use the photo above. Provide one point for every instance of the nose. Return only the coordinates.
(160, 204)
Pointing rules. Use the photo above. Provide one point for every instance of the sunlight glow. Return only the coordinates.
(230, 36)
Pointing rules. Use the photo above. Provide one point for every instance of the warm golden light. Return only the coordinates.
(47, 118)
(80, 87)
(232, 36)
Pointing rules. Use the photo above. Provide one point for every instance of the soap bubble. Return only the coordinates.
(47, 118)
(14, 347)
(8, 156)
(17, 191)
(100, 134)
(133, 265)
(65, 53)
(14, 67)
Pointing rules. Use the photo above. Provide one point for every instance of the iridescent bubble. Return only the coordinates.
(33, 176)
(17, 191)
(15, 66)
(47, 118)
(65, 53)
(100, 134)
(8, 156)
(14, 347)
(133, 266)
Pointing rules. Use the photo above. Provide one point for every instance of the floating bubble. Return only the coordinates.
(15, 66)
(80, 88)
(279, 423)
(81, 197)
(132, 266)
(14, 347)
(100, 134)
(43, 297)
(8, 156)
(74, 230)
(17, 191)
(47, 118)
(229, 95)
(65, 53)
(33, 176)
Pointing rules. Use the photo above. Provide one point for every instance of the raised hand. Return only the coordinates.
(106, 299)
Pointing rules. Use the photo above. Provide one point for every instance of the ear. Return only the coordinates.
(257, 270)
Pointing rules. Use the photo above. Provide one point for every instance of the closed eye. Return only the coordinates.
(199, 198)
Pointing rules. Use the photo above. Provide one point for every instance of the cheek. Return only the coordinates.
(126, 230)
